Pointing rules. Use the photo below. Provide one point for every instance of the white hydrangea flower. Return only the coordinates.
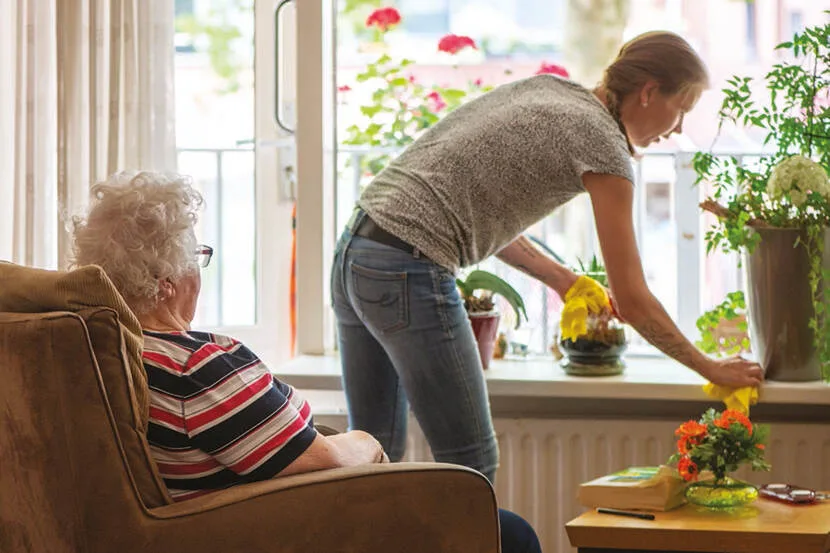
(796, 176)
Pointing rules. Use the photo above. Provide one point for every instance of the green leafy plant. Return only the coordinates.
(401, 107)
(788, 188)
(730, 312)
(719, 443)
(219, 37)
(593, 269)
(478, 288)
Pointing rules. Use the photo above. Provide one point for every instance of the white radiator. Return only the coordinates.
(543, 461)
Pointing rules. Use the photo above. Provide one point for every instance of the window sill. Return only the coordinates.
(645, 379)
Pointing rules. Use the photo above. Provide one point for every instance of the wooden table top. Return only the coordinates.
(764, 526)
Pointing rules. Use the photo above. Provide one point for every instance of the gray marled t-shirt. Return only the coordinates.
(495, 166)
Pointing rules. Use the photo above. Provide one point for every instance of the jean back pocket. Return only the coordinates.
(381, 298)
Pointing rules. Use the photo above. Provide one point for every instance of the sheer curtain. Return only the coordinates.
(88, 90)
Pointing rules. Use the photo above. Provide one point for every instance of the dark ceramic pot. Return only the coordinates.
(780, 305)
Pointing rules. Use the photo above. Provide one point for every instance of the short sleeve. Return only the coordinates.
(598, 146)
(249, 421)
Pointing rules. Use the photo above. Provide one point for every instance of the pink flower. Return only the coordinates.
(452, 44)
(436, 103)
(412, 78)
(477, 82)
(383, 18)
(552, 69)
(344, 88)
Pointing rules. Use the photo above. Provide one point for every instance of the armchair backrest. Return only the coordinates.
(64, 474)
(115, 341)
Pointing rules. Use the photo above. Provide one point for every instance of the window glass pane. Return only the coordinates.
(214, 131)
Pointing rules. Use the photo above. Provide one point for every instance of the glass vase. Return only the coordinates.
(725, 493)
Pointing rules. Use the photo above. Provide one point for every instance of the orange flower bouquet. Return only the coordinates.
(719, 443)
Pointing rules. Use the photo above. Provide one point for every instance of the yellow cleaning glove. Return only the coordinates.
(586, 296)
(735, 398)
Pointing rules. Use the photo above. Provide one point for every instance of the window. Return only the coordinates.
(233, 159)
(751, 31)
(662, 189)
(796, 22)
(669, 224)
(426, 16)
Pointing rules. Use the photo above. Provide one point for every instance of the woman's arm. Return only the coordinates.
(612, 201)
(525, 256)
(340, 450)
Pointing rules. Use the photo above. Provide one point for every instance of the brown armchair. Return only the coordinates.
(76, 474)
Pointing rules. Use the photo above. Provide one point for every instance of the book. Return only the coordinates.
(635, 488)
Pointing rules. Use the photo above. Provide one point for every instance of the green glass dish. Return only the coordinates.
(721, 494)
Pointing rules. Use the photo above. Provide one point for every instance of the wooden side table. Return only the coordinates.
(763, 527)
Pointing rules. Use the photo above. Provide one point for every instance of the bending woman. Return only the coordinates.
(466, 190)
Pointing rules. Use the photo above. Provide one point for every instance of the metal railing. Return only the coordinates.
(209, 169)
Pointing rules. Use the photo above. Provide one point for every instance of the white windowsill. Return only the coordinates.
(645, 378)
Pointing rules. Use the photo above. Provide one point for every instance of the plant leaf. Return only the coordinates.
(485, 280)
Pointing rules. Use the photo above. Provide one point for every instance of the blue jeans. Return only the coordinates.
(405, 340)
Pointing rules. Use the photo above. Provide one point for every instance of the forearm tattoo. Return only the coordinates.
(669, 341)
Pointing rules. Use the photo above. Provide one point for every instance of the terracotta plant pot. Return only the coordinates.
(486, 330)
(780, 306)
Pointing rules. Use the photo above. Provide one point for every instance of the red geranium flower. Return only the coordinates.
(552, 69)
(452, 44)
(436, 103)
(383, 18)
(688, 469)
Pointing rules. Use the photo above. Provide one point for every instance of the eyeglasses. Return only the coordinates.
(203, 255)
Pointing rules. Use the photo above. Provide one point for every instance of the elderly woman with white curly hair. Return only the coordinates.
(217, 415)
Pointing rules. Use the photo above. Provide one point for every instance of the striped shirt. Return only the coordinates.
(218, 417)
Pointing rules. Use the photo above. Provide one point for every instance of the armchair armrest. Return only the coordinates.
(400, 508)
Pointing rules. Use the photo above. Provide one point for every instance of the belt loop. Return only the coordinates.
(357, 218)
(416, 253)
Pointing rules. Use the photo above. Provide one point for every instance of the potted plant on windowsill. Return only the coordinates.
(777, 211)
(723, 329)
(478, 289)
(598, 351)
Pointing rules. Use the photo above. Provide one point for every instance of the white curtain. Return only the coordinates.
(88, 90)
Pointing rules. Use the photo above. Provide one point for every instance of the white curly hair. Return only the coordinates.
(139, 229)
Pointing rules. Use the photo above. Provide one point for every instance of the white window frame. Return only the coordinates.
(316, 151)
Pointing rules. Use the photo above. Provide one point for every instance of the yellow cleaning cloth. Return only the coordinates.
(586, 296)
(735, 398)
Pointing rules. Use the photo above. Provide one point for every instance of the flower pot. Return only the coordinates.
(586, 357)
(486, 330)
(780, 306)
(725, 493)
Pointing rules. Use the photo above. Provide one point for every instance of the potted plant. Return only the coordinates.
(723, 329)
(716, 445)
(477, 289)
(599, 351)
(777, 211)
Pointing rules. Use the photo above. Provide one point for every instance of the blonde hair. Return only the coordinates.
(659, 56)
(139, 229)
